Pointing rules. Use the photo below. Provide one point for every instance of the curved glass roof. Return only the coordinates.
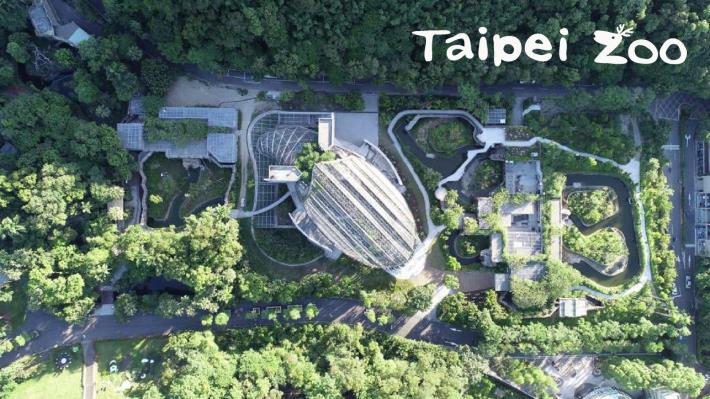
(362, 213)
(283, 144)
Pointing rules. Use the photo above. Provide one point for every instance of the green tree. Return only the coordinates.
(419, 298)
(451, 281)
(452, 263)
(195, 367)
(221, 319)
(311, 311)
(18, 47)
(309, 157)
(635, 374)
(157, 76)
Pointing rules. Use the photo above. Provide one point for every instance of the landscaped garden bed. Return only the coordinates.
(469, 246)
(605, 246)
(488, 175)
(211, 184)
(593, 206)
(166, 178)
(286, 245)
(442, 135)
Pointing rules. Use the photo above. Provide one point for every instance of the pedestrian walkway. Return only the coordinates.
(490, 136)
(90, 370)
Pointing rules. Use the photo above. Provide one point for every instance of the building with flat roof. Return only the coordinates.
(496, 116)
(523, 177)
(48, 22)
(217, 146)
(573, 307)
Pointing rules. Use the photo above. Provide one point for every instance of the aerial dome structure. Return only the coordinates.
(352, 207)
(283, 144)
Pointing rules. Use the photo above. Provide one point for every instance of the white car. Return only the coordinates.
(688, 283)
(675, 289)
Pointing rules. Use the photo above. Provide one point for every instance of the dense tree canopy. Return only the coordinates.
(44, 129)
(372, 39)
(313, 362)
(202, 255)
(53, 194)
(635, 374)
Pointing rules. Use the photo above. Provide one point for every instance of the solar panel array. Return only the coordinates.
(223, 147)
(224, 117)
(131, 135)
(496, 116)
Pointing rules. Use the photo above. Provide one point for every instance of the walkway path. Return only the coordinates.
(239, 213)
(489, 137)
(90, 371)
(55, 332)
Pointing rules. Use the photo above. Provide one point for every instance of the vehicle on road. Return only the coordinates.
(674, 292)
(688, 283)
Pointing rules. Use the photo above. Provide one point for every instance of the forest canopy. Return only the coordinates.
(346, 41)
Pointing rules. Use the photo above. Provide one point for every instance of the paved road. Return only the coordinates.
(681, 177)
(55, 332)
(275, 84)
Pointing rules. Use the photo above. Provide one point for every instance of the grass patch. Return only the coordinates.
(166, 178)
(47, 381)
(286, 245)
(211, 184)
(443, 136)
(128, 355)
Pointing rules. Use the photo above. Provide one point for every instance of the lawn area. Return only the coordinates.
(286, 245)
(211, 184)
(166, 179)
(443, 136)
(128, 355)
(48, 382)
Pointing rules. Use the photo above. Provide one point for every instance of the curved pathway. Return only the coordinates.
(55, 332)
(489, 137)
(239, 213)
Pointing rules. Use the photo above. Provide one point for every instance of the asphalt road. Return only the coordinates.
(681, 177)
(55, 332)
